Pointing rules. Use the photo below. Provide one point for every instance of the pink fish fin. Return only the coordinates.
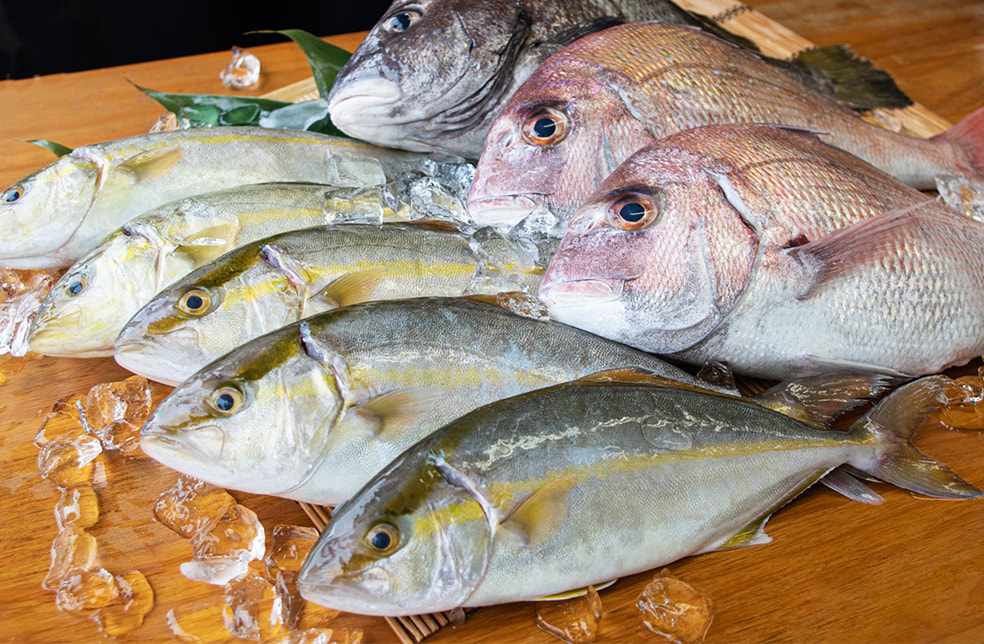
(846, 251)
(818, 400)
(840, 481)
(968, 136)
(894, 459)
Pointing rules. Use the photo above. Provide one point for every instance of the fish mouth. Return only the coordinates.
(368, 109)
(505, 209)
(576, 293)
(168, 363)
(173, 449)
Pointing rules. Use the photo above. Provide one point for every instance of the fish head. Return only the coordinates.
(563, 131)
(430, 75)
(409, 542)
(85, 309)
(40, 213)
(204, 315)
(656, 258)
(256, 420)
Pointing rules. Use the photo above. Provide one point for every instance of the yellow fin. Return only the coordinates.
(577, 592)
(151, 164)
(352, 288)
(540, 514)
(751, 535)
(395, 411)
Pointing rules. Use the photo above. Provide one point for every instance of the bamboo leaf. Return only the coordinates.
(325, 59)
(57, 149)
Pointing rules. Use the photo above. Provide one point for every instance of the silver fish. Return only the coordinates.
(277, 280)
(589, 107)
(311, 411)
(580, 483)
(772, 256)
(55, 215)
(400, 89)
(87, 308)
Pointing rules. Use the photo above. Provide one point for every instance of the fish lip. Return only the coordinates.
(505, 209)
(572, 293)
(135, 353)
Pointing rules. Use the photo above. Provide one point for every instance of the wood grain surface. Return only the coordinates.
(910, 570)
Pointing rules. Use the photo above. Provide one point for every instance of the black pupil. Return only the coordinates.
(224, 402)
(194, 302)
(545, 127)
(12, 195)
(400, 22)
(75, 287)
(632, 212)
(381, 540)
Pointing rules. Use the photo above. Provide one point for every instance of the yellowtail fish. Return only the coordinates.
(579, 483)
(399, 90)
(311, 411)
(55, 215)
(89, 305)
(772, 256)
(266, 284)
(590, 106)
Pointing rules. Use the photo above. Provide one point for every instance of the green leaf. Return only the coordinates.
(57, 149)
(325, 59)
(215, 109)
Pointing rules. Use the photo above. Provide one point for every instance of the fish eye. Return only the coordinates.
(382, 538)
(226, 401)
(13, 194)
(546, 127)
(402, 20)
(632, 212)
(195, 302)
(75, 287)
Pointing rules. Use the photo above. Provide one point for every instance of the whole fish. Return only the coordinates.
(89, 305)
(277, 280)
(311, 411)
(770, 262)
(576, 484)
(401, 90)
(55, 215)
(590, 106)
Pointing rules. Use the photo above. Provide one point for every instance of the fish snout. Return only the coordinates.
(168, 357)
(577, 292)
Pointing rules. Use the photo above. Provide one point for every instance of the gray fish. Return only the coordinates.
(433, 74)
(580, 483)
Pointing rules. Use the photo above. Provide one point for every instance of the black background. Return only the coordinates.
(50, 36)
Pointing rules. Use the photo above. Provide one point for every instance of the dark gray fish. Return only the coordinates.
(433, 74)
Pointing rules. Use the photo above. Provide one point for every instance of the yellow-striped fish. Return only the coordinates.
(311, 411)
(53, 216)
(266, 284)
(580, 483)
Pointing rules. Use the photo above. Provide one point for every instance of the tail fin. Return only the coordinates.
(892, 422)
(856, 82)
(968, 135)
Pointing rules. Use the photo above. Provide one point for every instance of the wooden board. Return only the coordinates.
(910, 570)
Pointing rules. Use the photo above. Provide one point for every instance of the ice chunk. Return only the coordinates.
(242, 71)
(66, 460)
(289, 546)
(254, 607)
(224, 548)
(114, 412)
(963, 408)
(84, 591)
(127, 612)
(675, 611)
(78, 506)
(63, 420)
(523, 304)
(571, 620)
(73, 549)
(962, 194)
(21, 293)
(190, 504)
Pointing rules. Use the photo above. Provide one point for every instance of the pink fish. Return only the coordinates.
(771, 252)
(591, 105)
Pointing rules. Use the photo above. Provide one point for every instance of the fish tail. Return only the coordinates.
(892, 423)
(968, 136)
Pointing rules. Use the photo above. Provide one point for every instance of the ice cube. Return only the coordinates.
(289, 546)
(190, 504)
(963, 408)
(242, 71)
(115, 411)
(21, 293)
(253, 608)
(78, 506)
(66, 460)
(571, 620)
(72, 549)
(224, 548)
(674, 611)
(127, 611)
(84, 591)
(962, 195)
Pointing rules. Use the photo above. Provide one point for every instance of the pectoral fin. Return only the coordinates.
(352, 288)
(537, 517)
(577, 592)
(751, 535)
(151, 164)
(394, 412)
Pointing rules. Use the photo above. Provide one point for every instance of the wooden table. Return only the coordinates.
(908, 571)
